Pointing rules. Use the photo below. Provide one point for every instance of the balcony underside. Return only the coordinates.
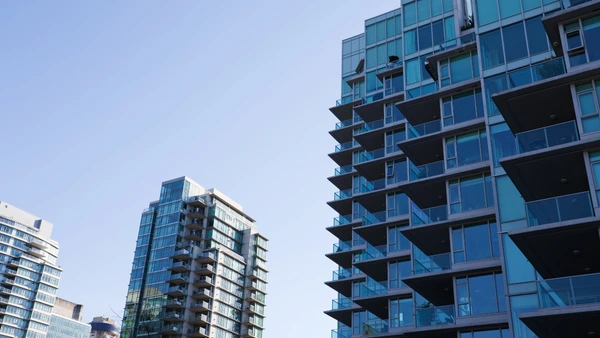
(552, 21)
(434, 238)
(561, 249)
(431, 191)
(483, 322)
(377, 268)
(376, 234)
(344, 157)
(430, 148)
(530, 175)
(450, 52)
(375, 139)
(342, 135)
(427, 108)
(343, 316)
(562, 322)
(344, 112)
(437, 287)
(374, 111)
(343, 181)
(344, 286)
(344, 232)
(378, 305)
(375, 169)
(343, 258)
(542, 103)
(342, 206)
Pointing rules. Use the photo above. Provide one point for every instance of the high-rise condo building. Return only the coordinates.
(30, 276)
(469, 145)
(199, 268)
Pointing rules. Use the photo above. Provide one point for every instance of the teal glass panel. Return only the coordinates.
(436, 7)
(382, 54)
(412, 71)
(491, 46)
(371, 57)
(423, 10)
(509, 8)
(486, 12)
(399, 48)
(472, 193)
(536, 35)
(475, 61)
(410, 42)
(449, 28)
(515, 47)
(438, 32)
(345, 86)
(477, 242)
(460, 68)
(372, 81)
(519, 77)
(482, 295)
(391, 48)
(410, 14)
(591, 32)
(587, 103)
(596, 168)
(520, 304)
(390, 29)
(493, 85)
(591, 124)
(398, 20)
(371, 32)
(448, 5)
(511, 204)
(381, 31)
(425, 40)
(530, 4)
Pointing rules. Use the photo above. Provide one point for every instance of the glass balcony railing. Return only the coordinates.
(342, 219)
(343, 124)
(370, 126)
(372, 155)
(548, 69)
(429, 215)
(343, 170)
(373, 289)
(373, 185)
(372, 98)
(424, 129)
(435, 315)
(569, 291)
(342, 246)
(341, 333)
(394, 64)
(342, 194)
(570, 3)
(344, 100)
(457, 42)
(374, 218)
(373, 252)
(559, 209)
(343, 146)
(342, 274)
(341, 303)
(426, 170)
(435, 263)
(547, 137)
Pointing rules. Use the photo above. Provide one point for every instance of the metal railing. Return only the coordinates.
(428, 215)
(559, 209)
(569, 291)
(434, 263)
(344, 124)
(424, 129)
(342, 194)
(546, 137)
(435, 315)
(426, 170)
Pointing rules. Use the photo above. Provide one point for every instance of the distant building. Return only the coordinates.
(65, 321)
(104, 327)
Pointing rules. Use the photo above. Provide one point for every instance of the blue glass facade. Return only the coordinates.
(61, 327)
(468, 171)
(198, 267)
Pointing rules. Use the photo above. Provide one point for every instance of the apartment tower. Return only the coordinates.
(469, 145)
(198, 268)
(30, 275)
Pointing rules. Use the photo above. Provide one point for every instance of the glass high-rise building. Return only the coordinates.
(199, 268)
(469, 145)
(30, 276)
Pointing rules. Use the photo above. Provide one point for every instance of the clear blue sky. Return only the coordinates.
(101, 101)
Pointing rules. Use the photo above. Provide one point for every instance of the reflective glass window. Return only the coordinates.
(536, 35)
(516, 45)
(410, 14)
(487, 12)
(491, 46)
(509, 8)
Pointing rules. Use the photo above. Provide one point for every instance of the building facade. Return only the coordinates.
(65, 321)
(104, 327)
(30, 276)
(198, 269)
(468, 152)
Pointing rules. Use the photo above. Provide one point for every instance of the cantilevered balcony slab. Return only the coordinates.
(447, 325)
(437, 286)
(343, 256)
(377, 267)
(429, 147)
(375, 138)
(343, 131)
(530, 175)
(342, 202)
(562, 248)
(378, 303)
(551, 22)
(392, 68)
(376, 232)
(342, 227)
(432, 236)
(343, 153)
(375, 169)
(542, 103)
(374, 111)
(427, 107)
(342, 283)
(343, 112)
(343, 314)
(580, 321)
(342, 177)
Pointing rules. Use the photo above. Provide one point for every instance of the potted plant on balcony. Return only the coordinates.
(425, 314)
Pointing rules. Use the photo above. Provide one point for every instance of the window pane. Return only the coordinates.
(591, 124)
(493, 85)
(515, 46)
(591, 32)
(477, 242)
(472, 194)
(536, 35)
(511, 204)
(491, 46)
(412, 71)
(482, 295)
(519, 304)
(448, 5)
(381, 55)
(438, 32)
(495, 240)
(509, 8)
(518, 268)
(371, 81)
(486, 12)
(468, 149)
(371, 34)
(371, 57)
(390, 30)
(587, 103)
(424, 37)
(519, 77)
(423, 9)
(500, 292)
(399, 48)
(410, 14)
(381, 31)
(436, 7)
(449, 28)
(530, 4)
(460, 68)
(464, 107)
(410, 41)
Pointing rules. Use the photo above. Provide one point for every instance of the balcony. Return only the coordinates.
(207, 257)
(547, 137)
(253, 309)
(453, 47)
(196, 213)
(38, 243)
(255, 320)
(173, 316)
(194, 235)
(250, 333)
(391, 68)
(343, 131)
(375, 296)
(342, 177)
(175, 304)
(371, 155)
(195, 224)
(342, 253)
(373, 261)
(342, 226)
(561, 237)
(200, 307)
(426, 170)
(171, 329)
(10, 272)
(180, 267)
(199, 319)
(198, 332)
(341, 310)
(36, 252)
(342, 280)
(202, 294)
(256, 297)
(178, 278)
(182, 254)
(372, 108)
(342, 154)
(205, 269)
(569, 307)
(176, 291)
(203, 281)
(343, 109)
(572, 10)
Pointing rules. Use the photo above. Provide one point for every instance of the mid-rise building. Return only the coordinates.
(30, 276)
(104, 327)
(469, 145)
(65, 321)
(199, 268)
